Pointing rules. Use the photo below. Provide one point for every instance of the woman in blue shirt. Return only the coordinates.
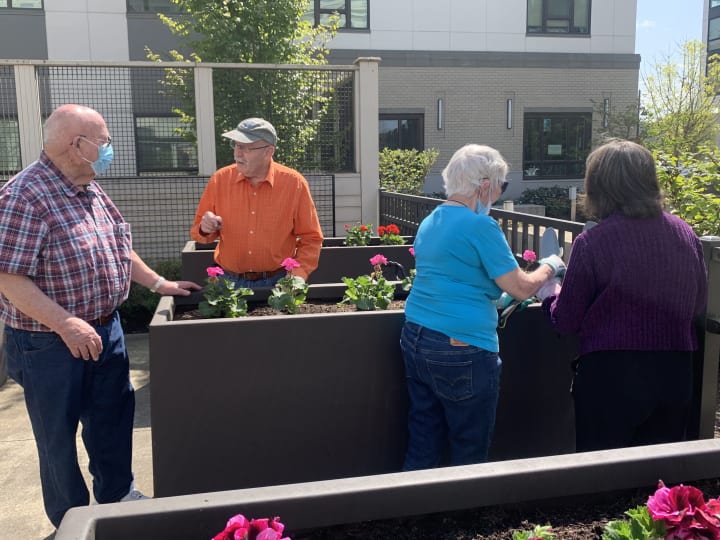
(449, 341)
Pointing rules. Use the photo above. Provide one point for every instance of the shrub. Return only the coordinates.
(554, 199)
(404, 171)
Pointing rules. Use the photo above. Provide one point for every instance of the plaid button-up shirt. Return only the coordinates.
(72, 242)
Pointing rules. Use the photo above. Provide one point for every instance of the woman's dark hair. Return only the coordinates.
(620, 176)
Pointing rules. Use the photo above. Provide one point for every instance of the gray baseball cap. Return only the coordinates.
(253, 129)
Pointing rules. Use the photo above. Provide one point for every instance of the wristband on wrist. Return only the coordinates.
(158, 284)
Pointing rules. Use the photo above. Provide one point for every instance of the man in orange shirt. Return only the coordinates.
(261, 212)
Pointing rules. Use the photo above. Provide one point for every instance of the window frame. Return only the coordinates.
(317, 12)
(10, 5)
(399, 117)
(141, 152)
(545, 30)
(171, 8)
(575, 167)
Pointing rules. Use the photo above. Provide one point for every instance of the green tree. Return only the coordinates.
(256, 32)
(680, 114)
(404, 171)
(691, 183)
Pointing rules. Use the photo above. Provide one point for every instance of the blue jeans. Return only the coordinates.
(60, 392)
(267, 282)
(453, 393)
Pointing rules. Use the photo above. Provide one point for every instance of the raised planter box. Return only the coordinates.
(354, 500)
(314, 397)
(336, 261)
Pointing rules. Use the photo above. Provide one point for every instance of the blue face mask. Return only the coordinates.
(105, 158)
(483, 209)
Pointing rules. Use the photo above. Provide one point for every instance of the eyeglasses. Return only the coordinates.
(504, 186)
(105, 142)
(236, 146)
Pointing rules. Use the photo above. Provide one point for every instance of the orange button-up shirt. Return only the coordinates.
(263, 225)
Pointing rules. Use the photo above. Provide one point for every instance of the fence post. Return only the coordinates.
(205, 120)
(28, 108)
(367, 144)
(711, 341)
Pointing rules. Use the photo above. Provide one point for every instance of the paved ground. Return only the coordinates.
(21, 510)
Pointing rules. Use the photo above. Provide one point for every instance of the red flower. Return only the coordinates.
(381, 230)
(363, 228)
(392, 229)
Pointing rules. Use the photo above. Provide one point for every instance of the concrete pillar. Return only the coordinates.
(205, 120)
(367, 137)
(28, 108)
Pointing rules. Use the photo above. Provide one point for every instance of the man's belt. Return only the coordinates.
(102, 320)
(253, 276)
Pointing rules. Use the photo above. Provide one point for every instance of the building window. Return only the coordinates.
(558, 17)
(402, 131)
(353, 13)
(556, 144)
(151, 6)
(161, 147)
(21, 4)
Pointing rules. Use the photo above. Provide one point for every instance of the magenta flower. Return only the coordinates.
(378, 260)
(239, 528)
(289, 264)
(412, 251)
(214, 271)
(529, 255)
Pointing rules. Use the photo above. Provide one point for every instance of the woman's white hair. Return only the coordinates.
(469, 166)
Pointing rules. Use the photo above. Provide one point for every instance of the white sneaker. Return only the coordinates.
(134, 495)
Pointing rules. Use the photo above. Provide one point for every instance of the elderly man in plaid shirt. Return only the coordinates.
(66, 262)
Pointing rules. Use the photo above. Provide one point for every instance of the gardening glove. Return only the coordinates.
(556, 263)
(504, 301)
(549, 288)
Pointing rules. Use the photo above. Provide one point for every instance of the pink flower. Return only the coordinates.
(378, 260)
(214, 271)
(239, 528)
(677, 506)
(289, 264)
(412, 251)
(529, 255)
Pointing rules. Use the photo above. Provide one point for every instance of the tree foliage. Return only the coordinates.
(691, 185)
(680, 114)
(404, 171)
(256, 32)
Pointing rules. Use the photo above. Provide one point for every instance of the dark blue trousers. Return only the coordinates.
(60, 393)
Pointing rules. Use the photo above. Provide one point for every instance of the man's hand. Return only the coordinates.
(178, 288)
(81, 339)
(210, 223)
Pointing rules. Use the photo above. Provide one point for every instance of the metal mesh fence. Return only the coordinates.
(149, 112)
(9, 132)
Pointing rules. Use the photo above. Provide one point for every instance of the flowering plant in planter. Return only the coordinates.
(289, 292)
(357, 235)
(677, 513)
(369, 292)
(540, 532)
(390, 235)
(223, 298)
(240, 528)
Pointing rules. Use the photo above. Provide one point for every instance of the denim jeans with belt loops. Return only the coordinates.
(61, 391)
(267, 282)
(453, 392)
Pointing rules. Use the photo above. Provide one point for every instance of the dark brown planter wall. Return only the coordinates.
(312, 397)
(336, 261)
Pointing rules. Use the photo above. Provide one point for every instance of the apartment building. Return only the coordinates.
(536, 79)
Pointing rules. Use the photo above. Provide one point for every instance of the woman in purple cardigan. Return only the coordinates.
(634, 286)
